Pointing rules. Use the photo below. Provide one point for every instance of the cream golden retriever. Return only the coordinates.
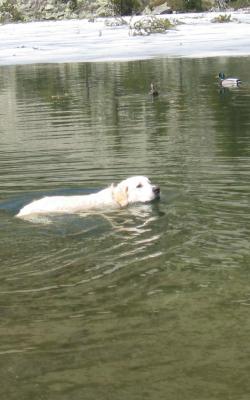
(136, 189)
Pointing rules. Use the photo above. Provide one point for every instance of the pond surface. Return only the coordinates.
(148, 302)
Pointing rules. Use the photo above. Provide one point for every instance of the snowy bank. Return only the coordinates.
(83, 41)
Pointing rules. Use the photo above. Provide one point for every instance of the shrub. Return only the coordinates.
(184, 5)
(126, 7)
(192, 5)
(222, 18)
(148, 25)
(73, 5)
(9, 9)
(236, 4)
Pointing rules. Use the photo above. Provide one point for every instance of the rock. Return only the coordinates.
(49, 8)
(162, 9)
(147, 11)
(5, 17)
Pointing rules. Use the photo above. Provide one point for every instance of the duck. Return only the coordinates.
(153, 91)
(228, 82)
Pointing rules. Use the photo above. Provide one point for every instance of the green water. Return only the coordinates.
(149, 302)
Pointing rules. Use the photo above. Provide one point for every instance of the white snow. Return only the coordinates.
(80, 40)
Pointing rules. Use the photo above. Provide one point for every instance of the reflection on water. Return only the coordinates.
(148, 301)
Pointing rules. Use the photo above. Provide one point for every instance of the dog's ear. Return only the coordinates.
(120, 195)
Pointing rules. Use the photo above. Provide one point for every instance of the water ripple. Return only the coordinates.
(128, 236)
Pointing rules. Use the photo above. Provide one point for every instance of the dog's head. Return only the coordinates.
(137, 189)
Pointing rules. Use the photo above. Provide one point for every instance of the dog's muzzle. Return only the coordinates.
(156, 191)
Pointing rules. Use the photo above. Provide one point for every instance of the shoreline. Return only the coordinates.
(65, 41)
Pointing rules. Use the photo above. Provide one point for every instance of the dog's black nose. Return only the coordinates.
(156, 190)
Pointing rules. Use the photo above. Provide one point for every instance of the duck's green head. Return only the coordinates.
(222, 75)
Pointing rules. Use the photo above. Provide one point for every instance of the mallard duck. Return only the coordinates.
(227, 82)
(153, 91)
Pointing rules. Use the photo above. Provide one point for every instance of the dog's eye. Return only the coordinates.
(139, 186)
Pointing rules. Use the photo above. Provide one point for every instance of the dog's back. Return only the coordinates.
(68, 204)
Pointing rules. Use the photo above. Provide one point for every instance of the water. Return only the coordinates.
(151, 301)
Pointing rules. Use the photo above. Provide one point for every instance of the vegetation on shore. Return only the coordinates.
(30, 10)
